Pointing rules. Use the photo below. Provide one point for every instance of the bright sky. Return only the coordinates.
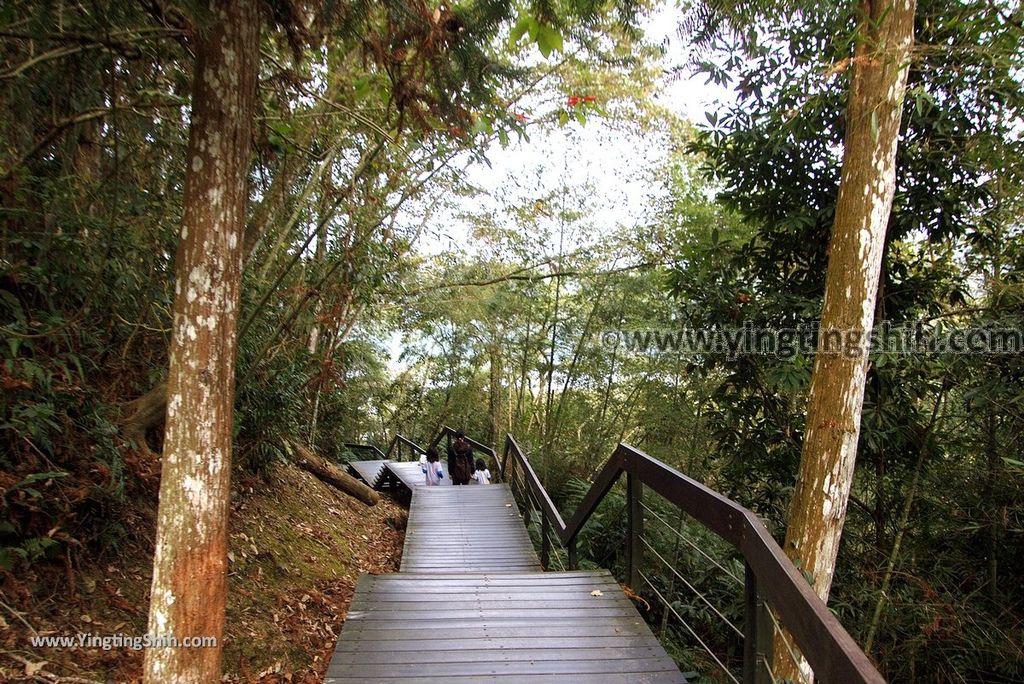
(616, 165)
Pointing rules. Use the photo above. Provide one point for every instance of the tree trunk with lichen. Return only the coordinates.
(188, 590)
(866, 189)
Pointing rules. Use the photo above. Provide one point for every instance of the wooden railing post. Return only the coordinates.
(635, 513)
(828, 648)
(504, 458)
(757, 632)
(545, 541)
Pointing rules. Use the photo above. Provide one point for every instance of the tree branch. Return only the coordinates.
(60, 126)
(519, 275)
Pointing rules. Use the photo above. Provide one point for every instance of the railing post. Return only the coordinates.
(545, 542)
(634, 497)
(504, 459)
(757, 632)
(573, 560)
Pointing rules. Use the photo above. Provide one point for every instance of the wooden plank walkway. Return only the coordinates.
(466, 529)
(368, 471)
(410, 474)
(496, 627)
(472, 604)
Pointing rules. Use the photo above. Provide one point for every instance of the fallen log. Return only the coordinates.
(143, 414)
(331, 474)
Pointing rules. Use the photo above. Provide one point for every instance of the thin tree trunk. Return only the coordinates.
(901, 527)
(549, 393)
(188, 589)
(556, 425)
(836, 396)
(603, 429)
(523, 368)
(319, 256)
(995, 517)
(494, 396)
(546, 464)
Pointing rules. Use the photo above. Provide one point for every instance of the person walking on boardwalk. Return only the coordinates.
(460, 459)
(482, 474)
(432, 471)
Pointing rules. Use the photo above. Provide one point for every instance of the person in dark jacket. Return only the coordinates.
(460, 459)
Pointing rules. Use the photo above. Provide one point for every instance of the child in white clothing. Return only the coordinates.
(482, 474)
(432, 471)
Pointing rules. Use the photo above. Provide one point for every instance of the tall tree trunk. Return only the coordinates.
(494, 399)
(866, 189)
(188, 590)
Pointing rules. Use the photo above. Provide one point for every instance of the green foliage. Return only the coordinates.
(548, 39)
(367, 113)
(95, 118)
(776, 155)
(19, 545)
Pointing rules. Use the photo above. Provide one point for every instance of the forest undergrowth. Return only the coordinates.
(297, 547)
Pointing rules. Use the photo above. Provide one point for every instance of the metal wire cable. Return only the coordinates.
(789, 649)
(694, 546)
(692, 588)
(689, 629)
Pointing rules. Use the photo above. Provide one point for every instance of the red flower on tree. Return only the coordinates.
(575, 100)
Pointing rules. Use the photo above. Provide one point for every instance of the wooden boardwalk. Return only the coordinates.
(368, 471)
(470, 528)
(410, 474)
(471, 604)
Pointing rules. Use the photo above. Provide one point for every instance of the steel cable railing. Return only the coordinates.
(691, 630)
(730, 523)
(769, 577)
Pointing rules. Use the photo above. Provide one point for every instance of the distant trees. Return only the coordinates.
(914, 570)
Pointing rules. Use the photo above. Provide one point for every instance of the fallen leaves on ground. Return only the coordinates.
(296, 550)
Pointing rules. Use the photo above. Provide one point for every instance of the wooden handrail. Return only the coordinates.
(398, 440)
(831, 651)
(367, 447)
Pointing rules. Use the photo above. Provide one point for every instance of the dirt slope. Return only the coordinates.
(297, 548)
